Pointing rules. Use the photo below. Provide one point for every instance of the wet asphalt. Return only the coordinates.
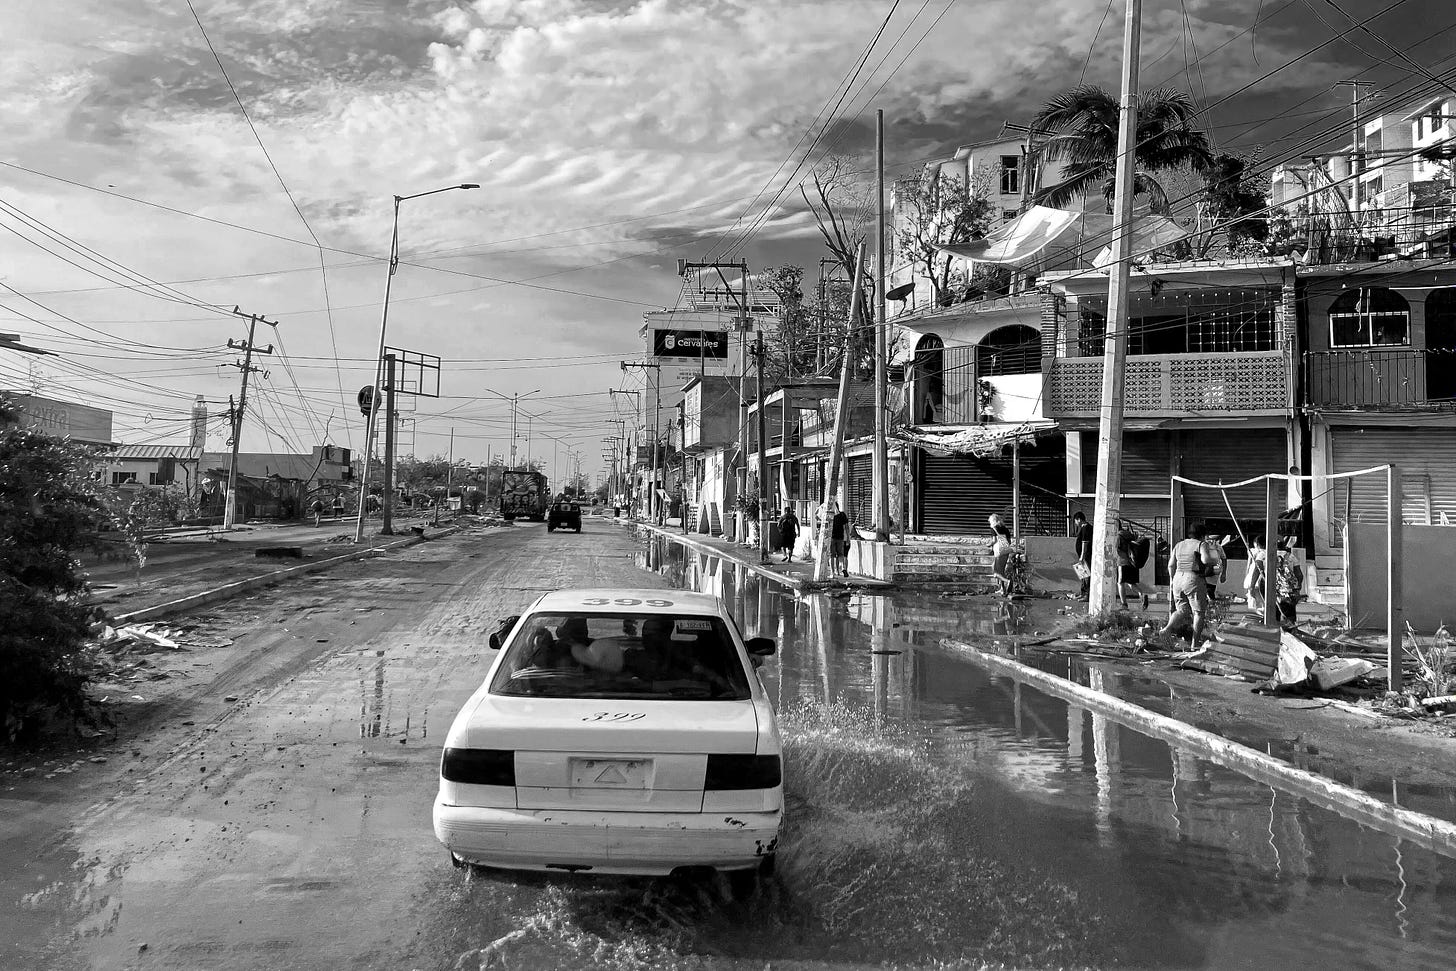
(938, 815)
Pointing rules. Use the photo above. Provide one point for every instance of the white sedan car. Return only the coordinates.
(618, 731)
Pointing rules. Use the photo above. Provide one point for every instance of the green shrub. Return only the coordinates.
(50, 509)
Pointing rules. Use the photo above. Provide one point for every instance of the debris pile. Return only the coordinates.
(123, 654)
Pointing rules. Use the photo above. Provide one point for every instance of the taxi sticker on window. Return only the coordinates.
(684, 624)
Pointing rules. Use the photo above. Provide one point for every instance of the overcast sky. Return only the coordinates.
(609, 139)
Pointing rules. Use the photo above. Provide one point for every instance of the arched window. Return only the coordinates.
(1369, 317)
(1013, 349)
(928, 400)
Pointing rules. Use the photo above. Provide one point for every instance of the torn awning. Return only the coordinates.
(982, 441)
(1045, 235)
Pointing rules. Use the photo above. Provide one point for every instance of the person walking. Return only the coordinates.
(1254, 575)
(317, 508)
(788, 533)
(1215, 563)
(1189, 591)
(1082, 534)
(839, 532)
(1001, 551)
(1129, 574)
(1288, 587)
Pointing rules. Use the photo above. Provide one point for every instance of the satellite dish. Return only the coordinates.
(901, 292)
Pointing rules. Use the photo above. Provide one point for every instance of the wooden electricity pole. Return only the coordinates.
(880, 469)
(1103, 592)
(836, 449)
(229, 514)
(763, 517)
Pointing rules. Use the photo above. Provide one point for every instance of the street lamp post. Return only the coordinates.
(370, 423)
(514, 399)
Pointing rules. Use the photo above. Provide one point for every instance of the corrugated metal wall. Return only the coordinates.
(1426, 458)
(1230, 455)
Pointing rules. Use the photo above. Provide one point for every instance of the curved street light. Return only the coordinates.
(371, 424)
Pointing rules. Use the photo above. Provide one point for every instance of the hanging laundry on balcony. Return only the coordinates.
(978, 440)
(1065, 239)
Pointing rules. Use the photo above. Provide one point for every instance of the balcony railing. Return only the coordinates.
(1376, 378)
(1242, 384)
(1416, 231)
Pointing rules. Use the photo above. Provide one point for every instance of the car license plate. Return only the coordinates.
(610, 773)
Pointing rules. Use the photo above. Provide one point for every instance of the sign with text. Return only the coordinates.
(710, 344)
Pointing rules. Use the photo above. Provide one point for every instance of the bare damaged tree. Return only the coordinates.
(939, 212)
(842, 214)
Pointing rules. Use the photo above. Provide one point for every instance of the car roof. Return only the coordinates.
(682, 601)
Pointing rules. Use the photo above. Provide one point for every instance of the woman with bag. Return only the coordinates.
(788, 533)
(1001, 550)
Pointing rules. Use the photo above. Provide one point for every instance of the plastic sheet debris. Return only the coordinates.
(1295, 659)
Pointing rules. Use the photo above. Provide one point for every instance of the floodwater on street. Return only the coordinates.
(275, 813)
(1169, 859)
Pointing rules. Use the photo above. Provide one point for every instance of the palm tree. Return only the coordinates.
(1084, 120)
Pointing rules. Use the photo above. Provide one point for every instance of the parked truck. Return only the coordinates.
(524, 495)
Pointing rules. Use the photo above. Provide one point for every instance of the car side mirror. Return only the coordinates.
(760, 646)
(498, 636)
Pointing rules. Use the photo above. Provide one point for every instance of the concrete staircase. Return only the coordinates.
(943, 559)
(1327, 586)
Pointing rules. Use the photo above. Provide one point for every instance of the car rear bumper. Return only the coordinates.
(606, 842)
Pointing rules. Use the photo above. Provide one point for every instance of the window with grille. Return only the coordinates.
(1010, 175)
(1369, 317)
(1205, 322)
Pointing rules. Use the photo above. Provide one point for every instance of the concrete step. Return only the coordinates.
(940, 569)
(942, 559)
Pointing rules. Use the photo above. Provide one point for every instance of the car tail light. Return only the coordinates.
(479, 766)
(743, 772)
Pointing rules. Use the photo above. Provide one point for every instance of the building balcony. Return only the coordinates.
(1380, 379)
(1234, 384)
(1423, 228)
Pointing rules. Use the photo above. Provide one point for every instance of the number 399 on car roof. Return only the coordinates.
(625, 602)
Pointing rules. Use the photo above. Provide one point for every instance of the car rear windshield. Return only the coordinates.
(586, 655)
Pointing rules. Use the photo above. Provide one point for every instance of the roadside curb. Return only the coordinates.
(1429, 832)
(793, 583)
(230, 590)
(798, 584)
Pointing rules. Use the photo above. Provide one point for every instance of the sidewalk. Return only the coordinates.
(183, 574)
(797, 575)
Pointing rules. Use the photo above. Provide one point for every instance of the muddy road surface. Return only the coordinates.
(267, 805)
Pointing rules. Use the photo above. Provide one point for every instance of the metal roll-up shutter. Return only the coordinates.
(1426, 458)
(859, 487)
(1230, 455)
(1145, 463)
(959, 492)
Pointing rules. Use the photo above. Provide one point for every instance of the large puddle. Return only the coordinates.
(924, 779)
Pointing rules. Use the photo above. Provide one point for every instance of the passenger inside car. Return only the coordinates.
(601, 656)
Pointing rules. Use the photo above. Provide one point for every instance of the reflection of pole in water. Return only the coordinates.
(1400, 906)
(880, 674)
(1107, 755)
(1016, 705)
(821, 643)
(1076, 724)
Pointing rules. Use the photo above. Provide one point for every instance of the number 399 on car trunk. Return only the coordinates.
(618, 731)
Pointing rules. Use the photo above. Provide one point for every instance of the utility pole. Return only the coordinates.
(1103, 588)
(229, 515)
(763, 519)
(1357, 154)
(881, 467)
(653, 502)
(387, 527)
(836, 447)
